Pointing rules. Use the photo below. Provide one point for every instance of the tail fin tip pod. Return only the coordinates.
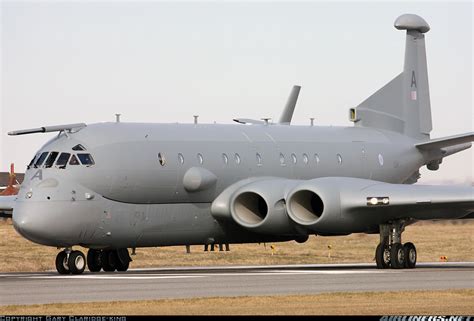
(402, 105)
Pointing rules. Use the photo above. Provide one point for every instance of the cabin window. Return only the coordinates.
(161, 159)
(294, 159)
(51, 158)
(86, 159)
(237, 158)
(316, 158)
(78, 147)
(74, 160)
(259, 159)
(339, 159)
(225, 159)
(282, 159)
(305, 159)
(41, 159)
(200, 158)
(62, 160)
(380, 159)
(181, 158)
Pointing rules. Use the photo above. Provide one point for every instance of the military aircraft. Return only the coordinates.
(111, 187)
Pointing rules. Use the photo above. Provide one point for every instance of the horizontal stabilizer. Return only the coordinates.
(47, 129)
(246, 121)
(446, 141)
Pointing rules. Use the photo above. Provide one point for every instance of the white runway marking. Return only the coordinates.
(150, 276)
(114, 277)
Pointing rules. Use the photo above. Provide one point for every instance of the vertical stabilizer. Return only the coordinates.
(403, 105)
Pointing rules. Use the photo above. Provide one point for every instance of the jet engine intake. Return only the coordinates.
(306, 206)
(260, 206)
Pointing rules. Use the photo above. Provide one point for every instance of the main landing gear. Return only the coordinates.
(74, 262)
(390, 252)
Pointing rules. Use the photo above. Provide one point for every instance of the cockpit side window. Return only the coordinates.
(86, 159)
(40, 160)
(62, 160)
(32, 161)
(74, 160)
(51, 158)
(78, 147)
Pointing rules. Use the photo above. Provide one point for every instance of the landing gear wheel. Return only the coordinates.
(62, 265)
(382, 256)
(94, 260)
(397, 256)
(410, 255)
(122, 267)
(76, 262)
(109, 261)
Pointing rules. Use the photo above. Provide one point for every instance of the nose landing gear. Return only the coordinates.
(390, 252)
(74, 262)
(70, 262)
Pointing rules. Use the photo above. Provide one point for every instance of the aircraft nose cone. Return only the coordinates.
(30, 225)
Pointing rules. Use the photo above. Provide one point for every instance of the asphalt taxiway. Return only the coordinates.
(148, 284)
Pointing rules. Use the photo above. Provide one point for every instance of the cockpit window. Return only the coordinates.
(41, 159)
(78, 147)
(73, 160)
(86, 159)
(32, 161)
(62, 160)
(51, 158)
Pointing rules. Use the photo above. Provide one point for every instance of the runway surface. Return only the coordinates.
(147, 284)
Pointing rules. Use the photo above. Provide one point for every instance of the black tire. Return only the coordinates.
(122, 267)
(94, 260)
(109, 261)
(410, 255)
(397, 256)
(382, 256)
(62, 265)
(77, 262)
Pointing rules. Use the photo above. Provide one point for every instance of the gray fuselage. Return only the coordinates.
(135, 193)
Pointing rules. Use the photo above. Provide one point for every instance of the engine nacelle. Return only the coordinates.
(259, 206)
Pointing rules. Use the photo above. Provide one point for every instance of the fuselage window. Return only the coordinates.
(51, 158)
(74, 160)
(62, 160)
(305, 159)
(225, 159)
(380, 159)
(237, 158)
(181, 158)
(161, 159)
(316, 158)
(200, 158)
(78, 147)
(293, 158)
(86, 159)
(282, 159)
(259, 159)
(339, 159)
(41, 159)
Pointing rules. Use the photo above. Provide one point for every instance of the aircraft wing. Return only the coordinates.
(6, 205)
(336, 205)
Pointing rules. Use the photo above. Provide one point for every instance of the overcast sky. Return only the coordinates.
(68, 62)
